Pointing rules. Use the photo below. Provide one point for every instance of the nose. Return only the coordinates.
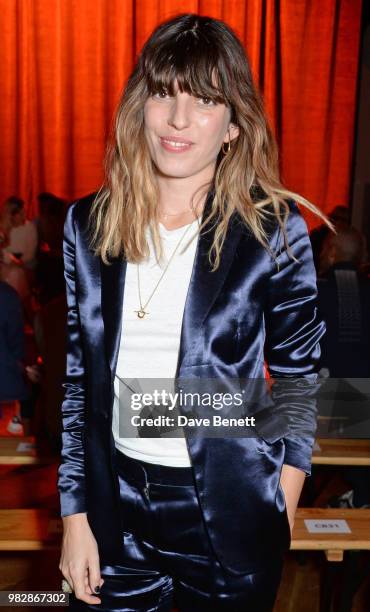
(179, 115)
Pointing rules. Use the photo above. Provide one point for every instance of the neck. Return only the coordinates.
(178, 195)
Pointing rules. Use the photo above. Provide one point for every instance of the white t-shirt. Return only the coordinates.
(149, 346)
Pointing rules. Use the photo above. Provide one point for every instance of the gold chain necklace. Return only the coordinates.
(142, 312)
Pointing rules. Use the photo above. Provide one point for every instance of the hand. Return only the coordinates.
(291, 481)
(79, 561)
(290, 508)
(291, 520)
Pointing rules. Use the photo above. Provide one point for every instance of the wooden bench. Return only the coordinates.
(29, 529)
(333, 544)
(23, 451)
(341, 452)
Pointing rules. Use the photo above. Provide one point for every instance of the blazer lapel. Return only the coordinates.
(205, 285)
(203, 290)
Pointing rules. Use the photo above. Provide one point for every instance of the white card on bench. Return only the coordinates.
(327, 526)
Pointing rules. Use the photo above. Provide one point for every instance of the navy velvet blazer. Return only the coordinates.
(248, 311)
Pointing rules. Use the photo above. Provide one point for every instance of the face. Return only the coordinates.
(185, 134)
(18, 218)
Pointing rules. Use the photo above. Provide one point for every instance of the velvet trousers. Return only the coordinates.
(167, 558)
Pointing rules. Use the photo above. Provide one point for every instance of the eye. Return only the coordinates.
(206, 101)
(162, 94)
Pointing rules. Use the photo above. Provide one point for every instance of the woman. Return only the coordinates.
(193, 262)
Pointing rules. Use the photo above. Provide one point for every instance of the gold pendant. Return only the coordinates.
(141, 313)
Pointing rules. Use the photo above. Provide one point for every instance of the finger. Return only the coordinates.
(94, 576)
(87, 586)
(80, 590)
(68, 578)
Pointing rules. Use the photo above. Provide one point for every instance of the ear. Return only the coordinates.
(232, 132)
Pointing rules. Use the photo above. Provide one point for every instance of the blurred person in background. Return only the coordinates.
(49, 223)
(49, 271)
(11, 267)
(340, 217)
(17, 337)
(18, 253)
(344, 304)
(22, 232)
(13, 386)
(49, 326)
(12, 346)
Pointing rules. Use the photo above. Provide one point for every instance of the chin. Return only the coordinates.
(176, 172)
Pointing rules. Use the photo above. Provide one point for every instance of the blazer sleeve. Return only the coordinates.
(71, 471)
(292, 348)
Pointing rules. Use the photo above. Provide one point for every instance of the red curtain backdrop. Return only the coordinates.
(64, 63)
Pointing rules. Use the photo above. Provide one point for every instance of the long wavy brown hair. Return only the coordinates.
(206, 58)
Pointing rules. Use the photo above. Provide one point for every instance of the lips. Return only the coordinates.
(175, 144)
